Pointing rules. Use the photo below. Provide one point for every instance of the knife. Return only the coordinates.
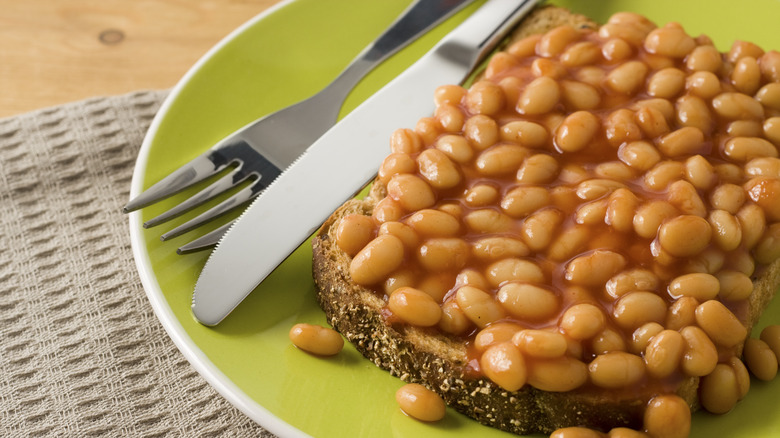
(340, 163)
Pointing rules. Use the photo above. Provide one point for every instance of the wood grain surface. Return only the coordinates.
(58, 51)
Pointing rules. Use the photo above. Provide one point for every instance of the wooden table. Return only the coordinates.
(57, 51)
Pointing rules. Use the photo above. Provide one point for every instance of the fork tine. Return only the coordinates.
(206, 241)
(220, 186)
(196, 170)
(239, 198)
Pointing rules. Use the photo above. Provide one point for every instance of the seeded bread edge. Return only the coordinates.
(439, 362)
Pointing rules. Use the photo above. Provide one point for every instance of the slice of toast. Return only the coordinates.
(441, 362)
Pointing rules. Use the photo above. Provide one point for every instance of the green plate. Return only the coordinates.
(278, 58)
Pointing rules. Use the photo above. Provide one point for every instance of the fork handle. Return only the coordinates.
(418, 18)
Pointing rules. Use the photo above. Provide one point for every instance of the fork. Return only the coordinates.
(262, 149)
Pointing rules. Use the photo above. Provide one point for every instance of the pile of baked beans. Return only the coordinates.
(590, 213)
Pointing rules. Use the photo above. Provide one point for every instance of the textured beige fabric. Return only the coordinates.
(81, 352)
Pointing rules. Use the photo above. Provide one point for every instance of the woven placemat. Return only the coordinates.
(81, 351)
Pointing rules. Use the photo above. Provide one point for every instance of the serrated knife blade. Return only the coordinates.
(340, 163)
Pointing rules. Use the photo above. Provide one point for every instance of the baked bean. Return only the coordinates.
(316, 339)
(527, 302)
(354, 232)
(728, 197)
(524, 200)
(740, 49)
(760, 359)
(720, 324)
(746, 75)
(734, 285)
(742, 375)
(727, 231)
(620, 210)
(719, 391)
(539, 97)
(488, 220)
(700, 355)
(481, 130)
(387, 210)
(541, 343)
(582, 321)
(764, 191)
(663, 173)
(540, 228)
(763, 166)
(443, 254)
(634, 309)
(572, 173)
(485, 97)
(499, 62)
(405, 141)
(616, 50)
(576, 432)
(771, 336)
(501, 159)
(590, 75)
(616, 370)
(582, 53)
(537, 169)
(456, 147)
(499, 247)
(411, 191)
(561, 374)
(529, 134)
(628, 77)
(652, 122)
(692, 111)
(685, 235)
(420, 402)
(496, 333)
(664, 106)
(568, 243)
(770, 66)
(472, 277)
(614, 170)
(685, 197)
(666, 83)
(437, 169)
(640, 155)
(394, 164)
(753, 221)
(631, 280)
(681, 313)
(608, 341)
(592, 213)
(376, 260)
(398, 279)
(771, 128)
(512, 86)
(668, 416)
(669, 41)
(481, 195)
(449, 94)
(700, 173)
(703, 84)
(453, 320)
(435, 223)
(769, 95)
(630, 33)
(624, 432)
(450, 117)
(546, 67)
(414, 307)
(577, 131)
(697, 285)
(478, 306)
(594, 268)
(504, 365)
(684, 141)
(663, 353)
(524, 47)
(744, 149)
(428, 128)
(737, 106)
(641, 336)
(513, 269)
(742, 261)
(452, 208)
(579, 95)
(744, 128)
(555, 41)
(704, 58)
(596, 188)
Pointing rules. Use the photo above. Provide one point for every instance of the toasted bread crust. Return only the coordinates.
(440, 362)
